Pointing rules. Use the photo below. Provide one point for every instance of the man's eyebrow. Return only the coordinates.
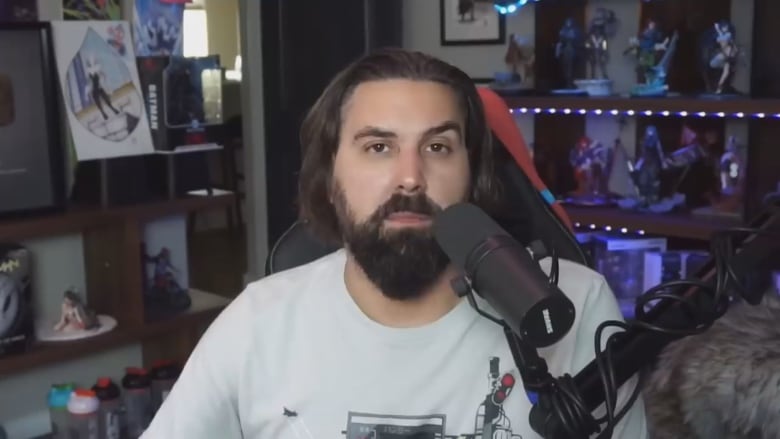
(371, 131)
(382, 133)
(449, 125)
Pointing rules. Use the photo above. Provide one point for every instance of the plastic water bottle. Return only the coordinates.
(58, 398)
(163, 375)
(109, 424)
(83, 407)
(138, 401)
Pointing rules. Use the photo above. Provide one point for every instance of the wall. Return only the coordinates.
(421, 32)
(59, 263)
(222, 16)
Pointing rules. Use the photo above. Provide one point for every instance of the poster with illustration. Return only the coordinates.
(101, 90)
(158, 27)
(18, 10)
(92, 9)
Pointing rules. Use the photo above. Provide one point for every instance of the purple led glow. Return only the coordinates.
(666, 113)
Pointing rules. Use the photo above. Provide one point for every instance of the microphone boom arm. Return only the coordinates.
(631, 351)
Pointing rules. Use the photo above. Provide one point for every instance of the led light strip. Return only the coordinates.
(511, 8)
(599, 112)
(623, 230)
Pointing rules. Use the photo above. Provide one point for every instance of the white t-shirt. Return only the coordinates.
(293, 357)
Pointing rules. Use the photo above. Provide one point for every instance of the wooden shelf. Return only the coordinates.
(205, 306)
(739, 107)
(677, 225)
(77, 219)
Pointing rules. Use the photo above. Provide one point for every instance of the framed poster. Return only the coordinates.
(99, 81)
(469, 22)
(32, 154)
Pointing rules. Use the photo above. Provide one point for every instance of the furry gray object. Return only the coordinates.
(722, 384)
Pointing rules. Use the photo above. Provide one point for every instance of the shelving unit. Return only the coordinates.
(756, 114)
(112, 259)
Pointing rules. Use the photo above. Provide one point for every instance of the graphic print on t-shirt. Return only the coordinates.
(490, 423)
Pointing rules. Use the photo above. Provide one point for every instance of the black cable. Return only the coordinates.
(712, 302)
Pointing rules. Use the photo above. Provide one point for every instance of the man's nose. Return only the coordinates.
(410, 176)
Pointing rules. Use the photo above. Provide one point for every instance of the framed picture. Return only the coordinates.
(32, 153)
(469, 22)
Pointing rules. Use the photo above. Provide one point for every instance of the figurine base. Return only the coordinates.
(569, 92)
(712, 211)
(510, 88)
(589, 200)
(595, 87)
(45, 332)
(719, 96)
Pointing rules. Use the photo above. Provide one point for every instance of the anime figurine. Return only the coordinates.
(602, 27)
(647, 170)
(520, 58)
(569, 50)
(732, 176)
(164, 288)
(719, 54)
(592, 162)
(75, 315)
(689, 153)
(651, 69)
(94, 87)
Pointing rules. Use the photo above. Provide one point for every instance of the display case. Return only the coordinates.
(713, 118)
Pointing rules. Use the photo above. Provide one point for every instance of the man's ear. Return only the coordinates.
(7, 111)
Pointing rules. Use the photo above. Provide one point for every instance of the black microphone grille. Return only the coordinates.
(460, 228)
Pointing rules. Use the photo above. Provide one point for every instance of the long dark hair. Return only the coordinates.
(321, 127)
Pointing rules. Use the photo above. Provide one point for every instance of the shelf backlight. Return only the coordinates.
(665, 113)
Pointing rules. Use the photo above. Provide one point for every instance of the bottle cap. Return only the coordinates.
(165, 370)
(83, 401)
(59, 394)
(105, 389)
(135, 378)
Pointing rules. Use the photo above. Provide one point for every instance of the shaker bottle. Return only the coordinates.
(163, 375)
(138, 401)
(83, 407)
(58, 398)
(110, 408)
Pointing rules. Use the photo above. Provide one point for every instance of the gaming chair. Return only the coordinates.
(533, 212)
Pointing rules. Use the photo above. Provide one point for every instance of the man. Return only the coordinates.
(371, 341)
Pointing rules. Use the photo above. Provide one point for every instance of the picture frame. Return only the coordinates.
(32, 148)
(470, 22)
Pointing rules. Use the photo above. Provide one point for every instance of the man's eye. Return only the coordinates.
(377, 147)
(438, 147)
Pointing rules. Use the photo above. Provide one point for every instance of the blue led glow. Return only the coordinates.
(511, 8)
(665, 113)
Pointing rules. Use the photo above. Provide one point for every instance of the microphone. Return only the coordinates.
(502, 272)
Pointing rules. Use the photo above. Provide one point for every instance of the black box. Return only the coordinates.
(183, 98)
(17, 327)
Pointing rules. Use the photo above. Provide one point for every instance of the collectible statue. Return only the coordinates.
(592, 162)
(569, 51)
(164, 289)
(75, 315)
(719, 55)
(652, 70)
(520, 59)
(602, 27)
(732, 177)
(647, 170)
(689, 153)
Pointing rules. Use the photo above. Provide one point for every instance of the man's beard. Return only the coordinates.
(403, 263)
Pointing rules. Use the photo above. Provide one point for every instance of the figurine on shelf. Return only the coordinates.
(646, 171)
(75, 315)
(592, 163)
(569, 51)
(719, 56)
(520, 59)
(164, 289)
(732, 176)
(650, 68)
(602, 27)
(689, 153)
